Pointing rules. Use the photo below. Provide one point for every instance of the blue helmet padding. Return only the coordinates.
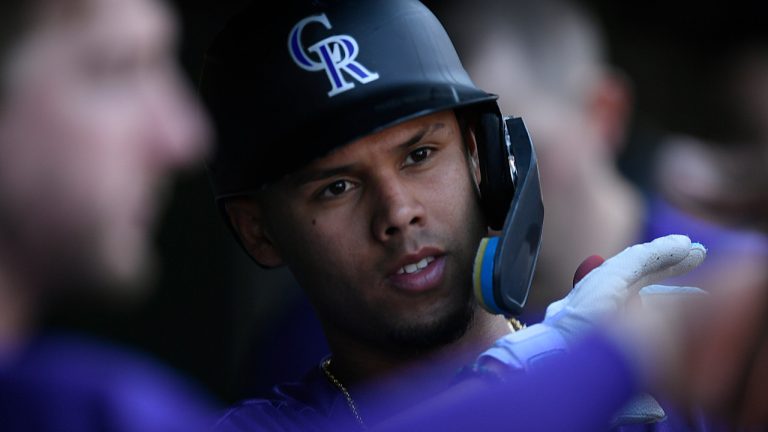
(487, 298)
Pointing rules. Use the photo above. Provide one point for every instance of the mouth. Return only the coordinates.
(419, 273)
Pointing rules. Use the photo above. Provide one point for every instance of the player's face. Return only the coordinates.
(382, 233)
(94, 117)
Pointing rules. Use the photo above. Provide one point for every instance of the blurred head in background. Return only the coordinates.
(709, 169)
(715, 167)
(546, 61)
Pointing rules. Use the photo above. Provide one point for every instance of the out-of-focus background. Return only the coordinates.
(681, 130)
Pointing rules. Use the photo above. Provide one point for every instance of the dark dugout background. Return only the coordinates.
(218, 318)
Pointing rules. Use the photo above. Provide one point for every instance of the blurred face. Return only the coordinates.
(382, 233)
(566, 139)
(94, 119)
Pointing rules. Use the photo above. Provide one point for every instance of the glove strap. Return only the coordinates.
(526, 348)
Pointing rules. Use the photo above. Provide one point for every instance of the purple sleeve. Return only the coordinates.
(579, 391)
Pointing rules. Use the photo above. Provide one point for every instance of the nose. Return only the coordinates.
(178, 127)
(397, 209)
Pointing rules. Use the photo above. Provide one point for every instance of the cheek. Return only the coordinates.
(323, 249)
(89, 167)
(52, 165)
(99, 164)
(451, 192)
(333, 237)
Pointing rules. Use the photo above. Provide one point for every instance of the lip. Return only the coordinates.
(428, 278)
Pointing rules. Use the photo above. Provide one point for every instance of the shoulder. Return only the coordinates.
(74, 380)
(309, 404)
(268, 415)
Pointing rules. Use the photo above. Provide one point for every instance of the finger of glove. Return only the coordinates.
(666, 290)
(625, 273)
(648, 263)
(662, 297)
(656, 296)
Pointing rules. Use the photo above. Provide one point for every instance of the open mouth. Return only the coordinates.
(416, 267)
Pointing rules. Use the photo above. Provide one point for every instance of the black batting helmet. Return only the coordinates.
(287, 87)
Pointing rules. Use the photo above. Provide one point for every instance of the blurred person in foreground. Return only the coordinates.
(94, 117)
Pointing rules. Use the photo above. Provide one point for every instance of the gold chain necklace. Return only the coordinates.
(350, 402)
(514, 325)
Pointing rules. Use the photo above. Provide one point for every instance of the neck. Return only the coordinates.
(411, 376)
(609, 215)
(601, 213)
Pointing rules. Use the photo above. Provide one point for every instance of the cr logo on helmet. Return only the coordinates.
(336, 55)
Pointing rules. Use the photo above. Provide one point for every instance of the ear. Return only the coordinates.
(611, 106)
(470, 141)
(247, 218)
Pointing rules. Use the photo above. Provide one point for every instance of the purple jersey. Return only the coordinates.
(68, 383)
(577, 392)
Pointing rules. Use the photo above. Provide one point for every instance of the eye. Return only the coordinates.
(419, 155)
(336, 188)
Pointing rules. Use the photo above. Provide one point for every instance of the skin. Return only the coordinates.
(349, 221)
(95, 117)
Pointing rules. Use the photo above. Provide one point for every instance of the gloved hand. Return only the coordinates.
(597, 296)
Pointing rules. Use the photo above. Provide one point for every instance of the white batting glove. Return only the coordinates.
(598, 296)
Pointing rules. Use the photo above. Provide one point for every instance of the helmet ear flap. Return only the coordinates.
(497, 187)
(504, 265)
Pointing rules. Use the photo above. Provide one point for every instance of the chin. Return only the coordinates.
(424, 336)
(127, 274)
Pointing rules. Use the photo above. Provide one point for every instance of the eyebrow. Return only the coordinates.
(310, 175)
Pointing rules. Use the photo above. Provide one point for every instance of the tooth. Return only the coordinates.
(430, 259)
(411, 268)
(423, 263)
(401, 271)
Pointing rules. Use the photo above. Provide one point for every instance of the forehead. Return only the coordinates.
(136, 19)
(442, 124)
